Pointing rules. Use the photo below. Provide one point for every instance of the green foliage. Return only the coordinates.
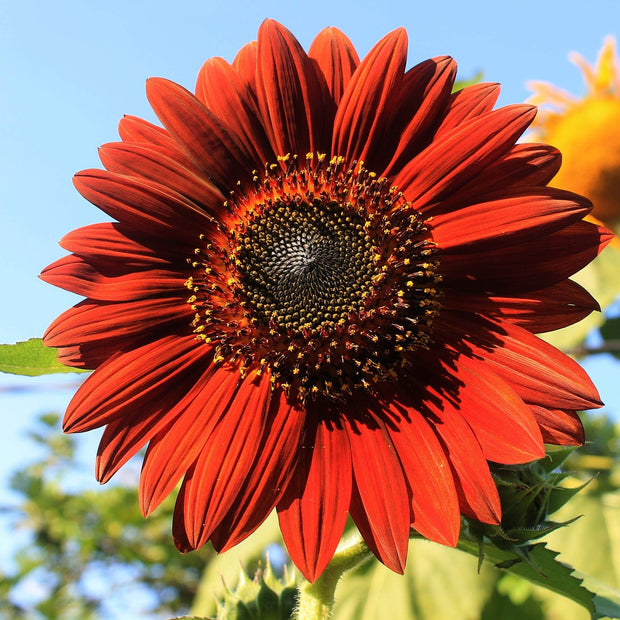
(80, 537)
(31, 358)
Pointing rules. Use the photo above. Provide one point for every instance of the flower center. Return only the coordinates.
(306, 265)
(322, 274)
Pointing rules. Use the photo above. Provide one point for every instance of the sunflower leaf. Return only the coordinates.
(540, 566)
(31, 358)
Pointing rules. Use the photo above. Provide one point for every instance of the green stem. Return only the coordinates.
(317, 599)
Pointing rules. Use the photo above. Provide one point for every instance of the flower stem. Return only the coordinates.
(317, 599)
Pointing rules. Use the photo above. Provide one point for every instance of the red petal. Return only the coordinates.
(134, 129)
(503, 425)
(156, 166)
(209, 143)
(74, 274)
(382, 509)
(268, 476)
(212, 484)
(94, 321)
(111, 242)
(125, 436)
(315, 506)
(539, 311)
(524, 165)
(477, 492)
(145, 206)
(526, 266)
(466, 104)
(519, 216)
(449, 163)
(363, 113)
(424, 94)
(434, 501)
(175, 447)
(291, 97)
(337, 59)
(245, 63)
(559, 427)
(229, 97)
(149, 377)
(539, 373)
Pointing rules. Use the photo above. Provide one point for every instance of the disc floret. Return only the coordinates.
(322, 273)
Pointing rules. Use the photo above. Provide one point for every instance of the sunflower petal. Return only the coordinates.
(363, 113)
(212, 484)
(159, 372)
(173, 450)
(337, 59)
(434, 501)
(291, 96)
(381, 506)
(268, 476)
(315, 506)
(206, 139)
(228, 96)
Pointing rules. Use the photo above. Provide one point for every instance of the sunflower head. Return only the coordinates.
(587, 131)
(319, 295)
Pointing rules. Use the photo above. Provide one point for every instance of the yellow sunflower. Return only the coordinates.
(587, 131)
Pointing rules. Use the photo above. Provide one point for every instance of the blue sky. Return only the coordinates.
(70, 69)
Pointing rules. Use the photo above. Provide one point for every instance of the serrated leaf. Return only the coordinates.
(541, 568)
(31, 358)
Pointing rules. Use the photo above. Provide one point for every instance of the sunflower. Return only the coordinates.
(320, 294)
(587, 131)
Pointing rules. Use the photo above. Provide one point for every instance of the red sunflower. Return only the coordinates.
(320, 294)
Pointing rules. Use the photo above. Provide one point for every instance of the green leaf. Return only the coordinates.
(540, 567)
(31, 358)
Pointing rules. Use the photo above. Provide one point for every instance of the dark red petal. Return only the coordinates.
(519, 216)
(137, 130)
(268, 476)
(422, 98)
(110, 242)
(315, 505)
(526, 266)
(559, 426)
(503, 425)
(291, 97)
(160, 167)
(94, 321)
(229, 97)
(337, 59)
(175, 447)
(524, 165)
(447, 164)
(147, 377)
(434, 501)
(216, 479)
(539, 311)
(74, 274)
(144, 205)
(363, 113)
(466, 104)
(383, 511)
(245, 63)
(476, 489)
(125, 436)
(539, 373)
(206, 139)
